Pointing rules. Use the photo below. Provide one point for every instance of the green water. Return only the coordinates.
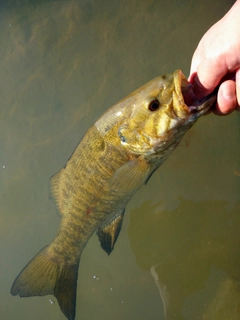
(62, 64)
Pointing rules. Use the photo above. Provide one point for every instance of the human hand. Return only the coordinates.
(216, 61)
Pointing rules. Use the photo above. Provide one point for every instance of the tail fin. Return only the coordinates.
(43, 275)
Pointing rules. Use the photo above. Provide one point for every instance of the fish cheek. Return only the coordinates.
(122, 136)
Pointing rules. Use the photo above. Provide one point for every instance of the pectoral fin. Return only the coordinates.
(108, 233)
(131, 176)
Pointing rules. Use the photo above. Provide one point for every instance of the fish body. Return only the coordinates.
(116, 156)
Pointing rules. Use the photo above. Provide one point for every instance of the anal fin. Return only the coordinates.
(108, 233)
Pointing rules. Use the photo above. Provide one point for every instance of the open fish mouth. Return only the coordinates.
(204, 105)
(201, 106)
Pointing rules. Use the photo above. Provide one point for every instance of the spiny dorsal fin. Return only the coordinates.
(108, 233)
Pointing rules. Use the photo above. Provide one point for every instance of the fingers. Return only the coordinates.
(226, 100)
(207, 78)
(216, 61)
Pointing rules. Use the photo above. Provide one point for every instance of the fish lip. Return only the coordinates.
(200, 106)
(181, 84)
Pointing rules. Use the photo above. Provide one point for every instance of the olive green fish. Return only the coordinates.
(116, 156)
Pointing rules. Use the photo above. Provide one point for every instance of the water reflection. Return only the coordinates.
(185, 250)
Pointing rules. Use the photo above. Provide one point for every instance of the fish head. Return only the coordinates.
(159, 115)
(154, 117)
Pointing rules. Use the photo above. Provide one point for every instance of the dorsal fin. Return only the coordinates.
(55, 181)
(108, 233)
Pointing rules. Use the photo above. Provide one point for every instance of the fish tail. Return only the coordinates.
(43, 275)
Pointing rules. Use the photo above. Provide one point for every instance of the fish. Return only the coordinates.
(116, 156)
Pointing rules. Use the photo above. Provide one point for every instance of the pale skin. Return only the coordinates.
(216, 62)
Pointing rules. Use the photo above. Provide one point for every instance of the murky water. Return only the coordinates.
(62, 64)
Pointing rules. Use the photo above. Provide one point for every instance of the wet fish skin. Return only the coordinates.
(116, 156)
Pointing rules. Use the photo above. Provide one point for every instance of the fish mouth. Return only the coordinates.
(197, 107)
(203, 106)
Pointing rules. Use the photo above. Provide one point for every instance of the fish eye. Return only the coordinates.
(154, 105)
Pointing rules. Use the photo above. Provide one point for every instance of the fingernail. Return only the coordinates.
(228, 92)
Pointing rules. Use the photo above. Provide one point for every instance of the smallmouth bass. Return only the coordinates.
(116, 156)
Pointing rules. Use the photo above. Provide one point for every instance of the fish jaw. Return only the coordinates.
(179, 117)
(198, 108)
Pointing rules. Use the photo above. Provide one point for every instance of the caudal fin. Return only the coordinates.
(43, 275)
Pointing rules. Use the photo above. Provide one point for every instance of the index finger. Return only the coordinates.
(206, 76)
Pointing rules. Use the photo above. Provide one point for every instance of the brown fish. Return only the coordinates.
(116, 156)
